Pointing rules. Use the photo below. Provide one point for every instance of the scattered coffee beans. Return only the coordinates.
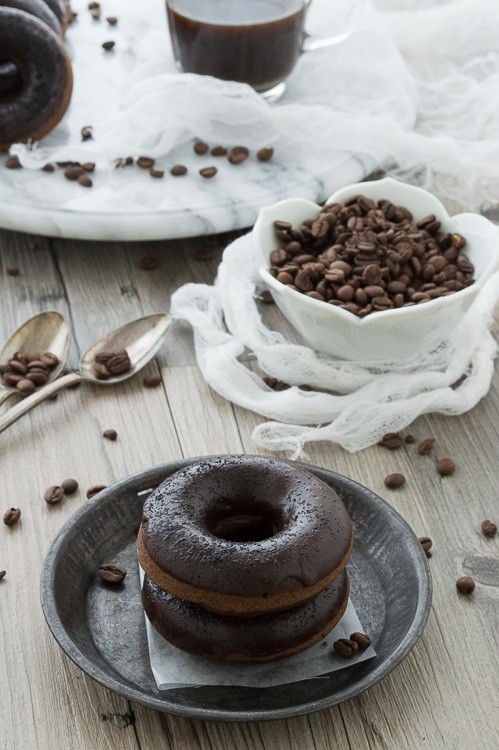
(391, 440)
(267, 297)
(446, 467)
(238, 154)
(86, 133)
(145, 162)
(200, 148)
(111, 573)
(367, 257)
(12, 162)
(151, 381)
(28, 370)
(489, 528)
(70, 486)
(361, 639)
(107, 364)
(265, 154)
(346, 648)
(218, 151)
(108, 46)
(94, 489)
(409, 439)
(394, 481)
(110, 435)
(11, 516)
(465, 585)
(112, 20)
(426, 447)
(208, 172)
(426, 544)
(178, 170)
(53, 494)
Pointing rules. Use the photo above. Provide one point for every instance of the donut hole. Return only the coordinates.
(12, 79)
(244, 522)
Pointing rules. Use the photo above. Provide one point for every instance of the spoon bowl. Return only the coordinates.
(45, 332)
(141, 338)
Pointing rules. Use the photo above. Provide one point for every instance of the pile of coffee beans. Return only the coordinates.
(107, 364)
(366, 256)
(27, 371)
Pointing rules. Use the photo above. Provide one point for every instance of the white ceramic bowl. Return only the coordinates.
(388, 334)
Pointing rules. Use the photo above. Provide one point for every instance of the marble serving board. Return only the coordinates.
(127, 204)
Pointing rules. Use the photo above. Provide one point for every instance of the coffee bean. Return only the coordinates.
(96, 13)
(100, 371)
(12, 162)
(208, 172)
(465, 585)
(265, 154)
(410, 439)
(70, 486)
(394, 481)
(49, 359)
(53, 494)
(489, 528)
(391, 440)
(361, 639)
(426, 447)
(178, 170)
(112, 20)
(151, 381)
(267, 297)
(145, 162)
(108, 46)
(110, 434)
(3, 573)
(200, 148)
(149, 263)
(218, 151)
(112, 574)
(95, 489)
(73, 172)
(156, 173)
(121, 163)
(48, 168)
(18, 368)
(25, 386)
(12, 271)
(85, 181)
(119, 364)
(86, 133)
(426, 544)
(11, 379)
(445, 466)
(346, 648)
(238, 154)
(11, 516)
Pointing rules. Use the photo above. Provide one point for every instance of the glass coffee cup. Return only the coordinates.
(250, 41)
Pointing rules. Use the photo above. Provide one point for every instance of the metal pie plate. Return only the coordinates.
(103, 630)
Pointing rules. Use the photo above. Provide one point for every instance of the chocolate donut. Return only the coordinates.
(244, 535)
(36, 107)
(198, 631)
(37, 8)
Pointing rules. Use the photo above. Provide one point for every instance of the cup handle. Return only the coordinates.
(312, 42)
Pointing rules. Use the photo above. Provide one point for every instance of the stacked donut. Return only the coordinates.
(36, 78)
(244, 558)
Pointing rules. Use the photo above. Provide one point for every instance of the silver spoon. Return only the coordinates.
(46, 332)
(141, 338)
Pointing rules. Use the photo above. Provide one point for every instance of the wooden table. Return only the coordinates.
(444, 695)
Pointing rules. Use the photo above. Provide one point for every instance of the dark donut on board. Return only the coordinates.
(37, 52)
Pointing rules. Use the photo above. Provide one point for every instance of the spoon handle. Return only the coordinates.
(7, 393)
(24, 406)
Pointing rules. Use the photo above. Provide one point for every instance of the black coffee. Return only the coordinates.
(251, 41)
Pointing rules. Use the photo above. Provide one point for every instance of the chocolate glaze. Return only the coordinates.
(37, 8)
(312, 530)
(45, 69)
(194, 629)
